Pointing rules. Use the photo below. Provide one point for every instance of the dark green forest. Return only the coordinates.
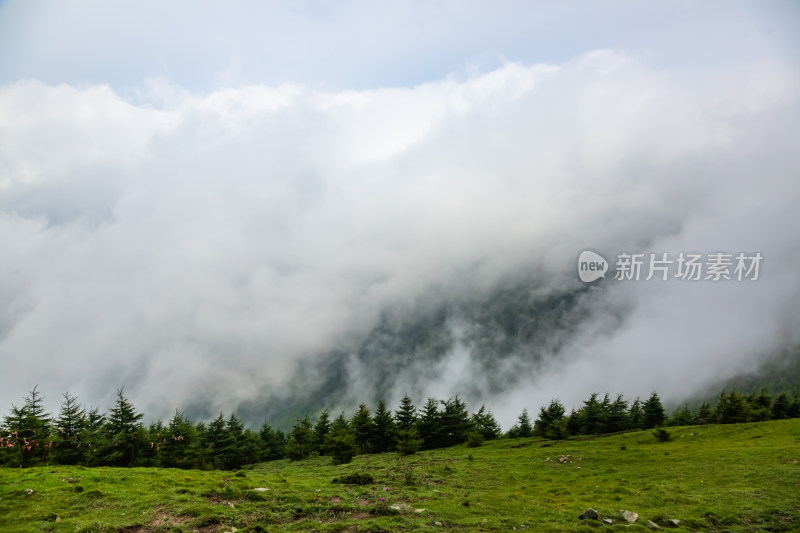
(31, 436)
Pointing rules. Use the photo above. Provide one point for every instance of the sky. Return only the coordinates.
(197, 199)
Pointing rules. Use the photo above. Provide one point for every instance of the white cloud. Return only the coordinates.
(198, 246)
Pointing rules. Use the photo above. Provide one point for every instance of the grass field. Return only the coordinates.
(742, 477)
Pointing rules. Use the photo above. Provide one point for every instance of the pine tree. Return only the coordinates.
(406, 416)
(524, 428)
(455, 422)
(272, 443)
(485, 424)
(704, 414)
(617, 417)
(233, 451)
(361, 428)
(321, 430)
(123, 431)
(721, 408)
(340, 423)
(214, 441)
(429, 425)
(781, 406)
(682, 417)
(636, 415)
(759, 406)
(548, 424)
(794, 409)
(93, 438)
(181, 437)
(70, 425)
(383, 429)
(574, 422)
(29, 427)
(654, 415)
(300, 440)
(592, 415)
(734, 410)
(342, 446)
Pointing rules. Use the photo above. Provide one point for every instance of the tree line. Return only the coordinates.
(30, 436)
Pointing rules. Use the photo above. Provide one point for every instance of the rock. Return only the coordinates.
(400, 507)
(652, 524)
(317, 490)
(590, 514)
(608, 521)
(28, 491)
(438, 524)
(673, 522)
(420, 510)
(630, 516)
(261, 489)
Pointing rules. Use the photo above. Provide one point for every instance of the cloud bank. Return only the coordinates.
(205, 247)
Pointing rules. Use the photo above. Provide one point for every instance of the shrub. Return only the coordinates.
(358, 478)
(474, 439)
(662, 435)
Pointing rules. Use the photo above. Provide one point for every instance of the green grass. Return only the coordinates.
(742, 477)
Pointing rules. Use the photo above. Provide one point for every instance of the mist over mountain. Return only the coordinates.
(273, 246)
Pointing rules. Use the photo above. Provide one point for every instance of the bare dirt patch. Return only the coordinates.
(336, 499)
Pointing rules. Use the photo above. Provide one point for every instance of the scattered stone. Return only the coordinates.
(590, 514)
(547, 460)
(263, 489)
(630, 516)
(652, 524)
(608, 521)
(673, 522)
(317, 490)
(563, 458)
(400, 507)
(438, 524)
(420, 510)
(28, 491)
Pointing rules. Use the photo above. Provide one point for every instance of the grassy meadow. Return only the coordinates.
(739, 477)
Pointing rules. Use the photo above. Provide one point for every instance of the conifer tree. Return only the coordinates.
(300, 440)
(456, 423)
(321, 430)
(484, 423)
(593, 416)
(361, 428)
(429, 425)
(636, 415)
(123, 432)
(406, 415)
(617, 416)
(523, 427)
(548, 424)
(384, 432)
(68, 432)
(181, 437)
(781, 406)
(93, 439)
(654, 415)
(272, 443)
(704, 414)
